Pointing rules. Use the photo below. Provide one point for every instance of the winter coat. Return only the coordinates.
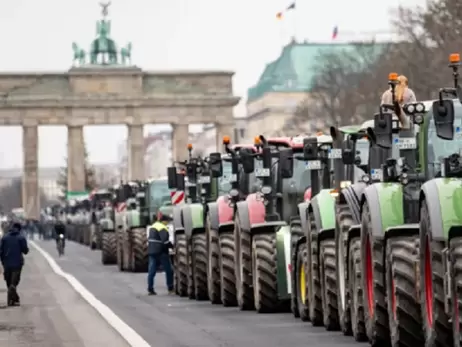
(12, 247)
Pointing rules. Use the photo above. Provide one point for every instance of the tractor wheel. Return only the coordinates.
(109, 248)
(328, 284)
(300, 287)
(140, 250)
(213, 268)
(120, 251)
(99, 235)
(372, 255)
(243, 267)
(227, 270)
(295, 232)
(93, 237)
(199, 254)
(264, 261)
(436, 323)
(355, 290)
(181, 265)
(402, 297)
(344, 220)
(456, 280)
(315, 290)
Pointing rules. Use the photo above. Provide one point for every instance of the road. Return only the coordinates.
(51, 314)
(170, 321)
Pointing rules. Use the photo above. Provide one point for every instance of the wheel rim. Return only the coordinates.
(369, 276)
(341, 273)
(302, 283)
(428, 282)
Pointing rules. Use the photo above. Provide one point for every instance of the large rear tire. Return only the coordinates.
(402, 299)
(344, 220)
(227, 269)
(264, 261)
(109, 248)
(120, 250)
(243, 267)
(295, 234)
(301, 287)
(329, 284)
(315, 290)
(436, 323)
(372, 255)
(140, 250)
(199, 254)
(213, 267)
(355, 290)
(181, 265)
(456, 273)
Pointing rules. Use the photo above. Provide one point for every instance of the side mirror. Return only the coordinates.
(216, 164)
(247, 160)
(443, 115)
(334, 133)
(348, 152)
(286, 162)
(383, 129)
(179, 182)
(310, 148)
(172, 177)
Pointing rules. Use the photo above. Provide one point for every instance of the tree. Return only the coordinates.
(90, 178)
(11, 196)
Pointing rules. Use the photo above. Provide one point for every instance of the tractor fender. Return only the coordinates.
(106, 224)
(256, 209)
(213, 215)
(323, 208)
(193, 218)
(385, 202)
(443, 197)
(242, 208)
(225, 212)
(283, 261)
(133, 219)
(302, 212)
(352, 197)
(178, 219)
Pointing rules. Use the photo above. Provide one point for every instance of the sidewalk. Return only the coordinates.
(51, 314)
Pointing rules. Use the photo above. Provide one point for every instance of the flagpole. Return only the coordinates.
(294, 21)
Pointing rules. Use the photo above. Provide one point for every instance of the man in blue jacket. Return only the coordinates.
(158, 247)
(12, 247)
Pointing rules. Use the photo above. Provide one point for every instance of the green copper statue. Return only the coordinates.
(79, 54)
(126, 54)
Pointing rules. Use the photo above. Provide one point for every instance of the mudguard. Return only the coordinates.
(106, 224)
(177, 219)
(119, 220)
(242, 208)
(352, 197)
(193, 218)
(225, 212)
(385, 202)
(444, 200)
(213, 215)
(302, 209)
(323, 207)
(133, 219)
(256, 210)
(283, 242)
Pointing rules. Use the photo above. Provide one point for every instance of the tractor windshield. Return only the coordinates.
(438, 148)
(224, 183)
(159, 194)
(300, 181)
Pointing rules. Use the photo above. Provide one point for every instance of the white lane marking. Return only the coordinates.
(127, 333)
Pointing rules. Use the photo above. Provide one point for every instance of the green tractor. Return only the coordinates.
(99, 200)
(312, 257)
(440, 204)
(189, 223)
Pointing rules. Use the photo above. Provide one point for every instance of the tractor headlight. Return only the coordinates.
(420, 107)
(366, 179)
(233, 193)
(266, 190)
(410, 109)
(418, 119)
(404, 179)
(345, 184)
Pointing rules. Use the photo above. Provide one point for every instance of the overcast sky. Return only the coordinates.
(237, 35)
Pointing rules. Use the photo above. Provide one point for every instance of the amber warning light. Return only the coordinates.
(189, 146)
(256, 140)
(454, 58)
(226, 140)
(393, 76)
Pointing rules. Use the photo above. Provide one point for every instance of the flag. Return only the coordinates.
(335, 33)
(279, 15)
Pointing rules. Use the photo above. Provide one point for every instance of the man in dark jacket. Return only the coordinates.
(60, 229)
(158, 247)
(12, 247)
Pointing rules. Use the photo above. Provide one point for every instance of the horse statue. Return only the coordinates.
(126, 54)
(79, 54)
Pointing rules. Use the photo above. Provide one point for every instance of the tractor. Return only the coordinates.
(189, 222)
(261, 230)
(440, 229)
(99, 200)
(235, 185)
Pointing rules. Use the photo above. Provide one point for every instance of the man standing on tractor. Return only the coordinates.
(158, 251)
(403, 95)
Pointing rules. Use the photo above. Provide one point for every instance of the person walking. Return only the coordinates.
(158, 251)
(12, 248)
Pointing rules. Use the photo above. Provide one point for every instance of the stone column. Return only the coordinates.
(180, 140)
(30, 184)
(135, 152)
(221, 131)
(75, 159)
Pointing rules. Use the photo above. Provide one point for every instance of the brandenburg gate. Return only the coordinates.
(109, 90)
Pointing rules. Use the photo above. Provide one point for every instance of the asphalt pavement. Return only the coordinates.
(52, 313)
(170, 321)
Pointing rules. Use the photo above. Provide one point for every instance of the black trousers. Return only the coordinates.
(12, 276)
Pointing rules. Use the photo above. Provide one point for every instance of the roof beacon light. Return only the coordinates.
(226, 140)
(190, 146)
(454, 58)
(393, 76)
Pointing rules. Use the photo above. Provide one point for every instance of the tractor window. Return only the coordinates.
(224, 185)
(301, 179)
(159, 194)
(438, 148)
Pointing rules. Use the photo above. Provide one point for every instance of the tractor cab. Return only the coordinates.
(157, 195)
